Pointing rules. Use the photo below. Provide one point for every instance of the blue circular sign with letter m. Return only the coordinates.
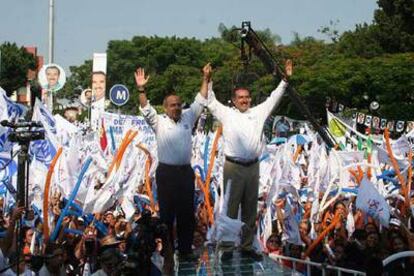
(119, 94)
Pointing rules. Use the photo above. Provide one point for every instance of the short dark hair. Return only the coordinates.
(233, 92)
(53, 67)
(169, 94)
(50, 248)
(74, 108)
(99, 73)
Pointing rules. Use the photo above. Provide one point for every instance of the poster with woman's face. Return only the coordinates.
(52, 77)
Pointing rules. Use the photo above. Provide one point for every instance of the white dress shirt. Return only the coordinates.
(174, 138)
(242, 131)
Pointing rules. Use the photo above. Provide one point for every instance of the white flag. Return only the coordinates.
(290, 225)
(372, 202)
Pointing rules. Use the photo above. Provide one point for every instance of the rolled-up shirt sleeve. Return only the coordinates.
(150, 115)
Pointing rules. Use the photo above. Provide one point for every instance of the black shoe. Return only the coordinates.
(251, 254)
(226, 256)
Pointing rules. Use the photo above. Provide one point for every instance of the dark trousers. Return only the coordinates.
(175, 186)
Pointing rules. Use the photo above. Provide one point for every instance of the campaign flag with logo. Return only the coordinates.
(9, 111)
(372, 202)
(44, 150)
(290, 225)
(8, 168)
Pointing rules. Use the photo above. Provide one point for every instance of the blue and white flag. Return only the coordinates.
(372, 202)
(8, 169)
(44, 150)
(290, 225)
(5, 143)
(10, 110)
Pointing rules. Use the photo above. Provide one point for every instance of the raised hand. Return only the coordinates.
(289, 67)
(17, 213)
(140, 78)
(207, 71)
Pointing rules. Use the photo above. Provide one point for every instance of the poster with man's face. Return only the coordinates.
(52, 77)
(399, 126)
(390, 125)
(410, 126)
(383, 124)
(98, 88)
(376, 122)
(98, 85)
(86, 97)
(368, 120)
(360, 118)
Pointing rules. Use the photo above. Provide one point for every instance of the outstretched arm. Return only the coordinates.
(264, 109)
(146, 109)
(207, 70)
(201, 98)
(141, 81)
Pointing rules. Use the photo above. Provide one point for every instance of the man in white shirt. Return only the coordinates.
(243, 144)
(174, 175)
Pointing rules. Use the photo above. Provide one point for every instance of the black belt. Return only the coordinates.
(246, 163)
(160, 164)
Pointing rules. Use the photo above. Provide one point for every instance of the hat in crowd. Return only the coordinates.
(109, 241)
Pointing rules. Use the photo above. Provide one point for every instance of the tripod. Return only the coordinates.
(23, 133)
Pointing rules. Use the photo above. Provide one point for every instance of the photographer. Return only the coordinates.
(143, 242)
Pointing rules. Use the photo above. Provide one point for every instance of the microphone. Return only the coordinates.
(6, 123)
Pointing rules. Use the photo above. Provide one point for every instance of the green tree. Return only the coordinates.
(15, 62)
(392, 31)
(363, 41)
(395, 21)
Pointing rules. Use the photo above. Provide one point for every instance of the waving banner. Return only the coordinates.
(119, 124)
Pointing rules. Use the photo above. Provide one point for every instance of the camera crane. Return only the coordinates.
(256, 45)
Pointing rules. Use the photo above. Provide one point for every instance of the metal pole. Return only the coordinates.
(51, 48)
(51, 30)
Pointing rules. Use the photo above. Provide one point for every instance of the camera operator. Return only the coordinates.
(53, 261)
(142, 244)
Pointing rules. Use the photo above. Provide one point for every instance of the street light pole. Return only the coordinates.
(51, 48)
(51, 30)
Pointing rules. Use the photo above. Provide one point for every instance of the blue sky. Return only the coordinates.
(83, 27)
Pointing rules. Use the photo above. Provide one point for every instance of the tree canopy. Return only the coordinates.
(374, 59)
(15, 62)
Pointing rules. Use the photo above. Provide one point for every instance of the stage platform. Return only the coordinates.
(210, 264)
